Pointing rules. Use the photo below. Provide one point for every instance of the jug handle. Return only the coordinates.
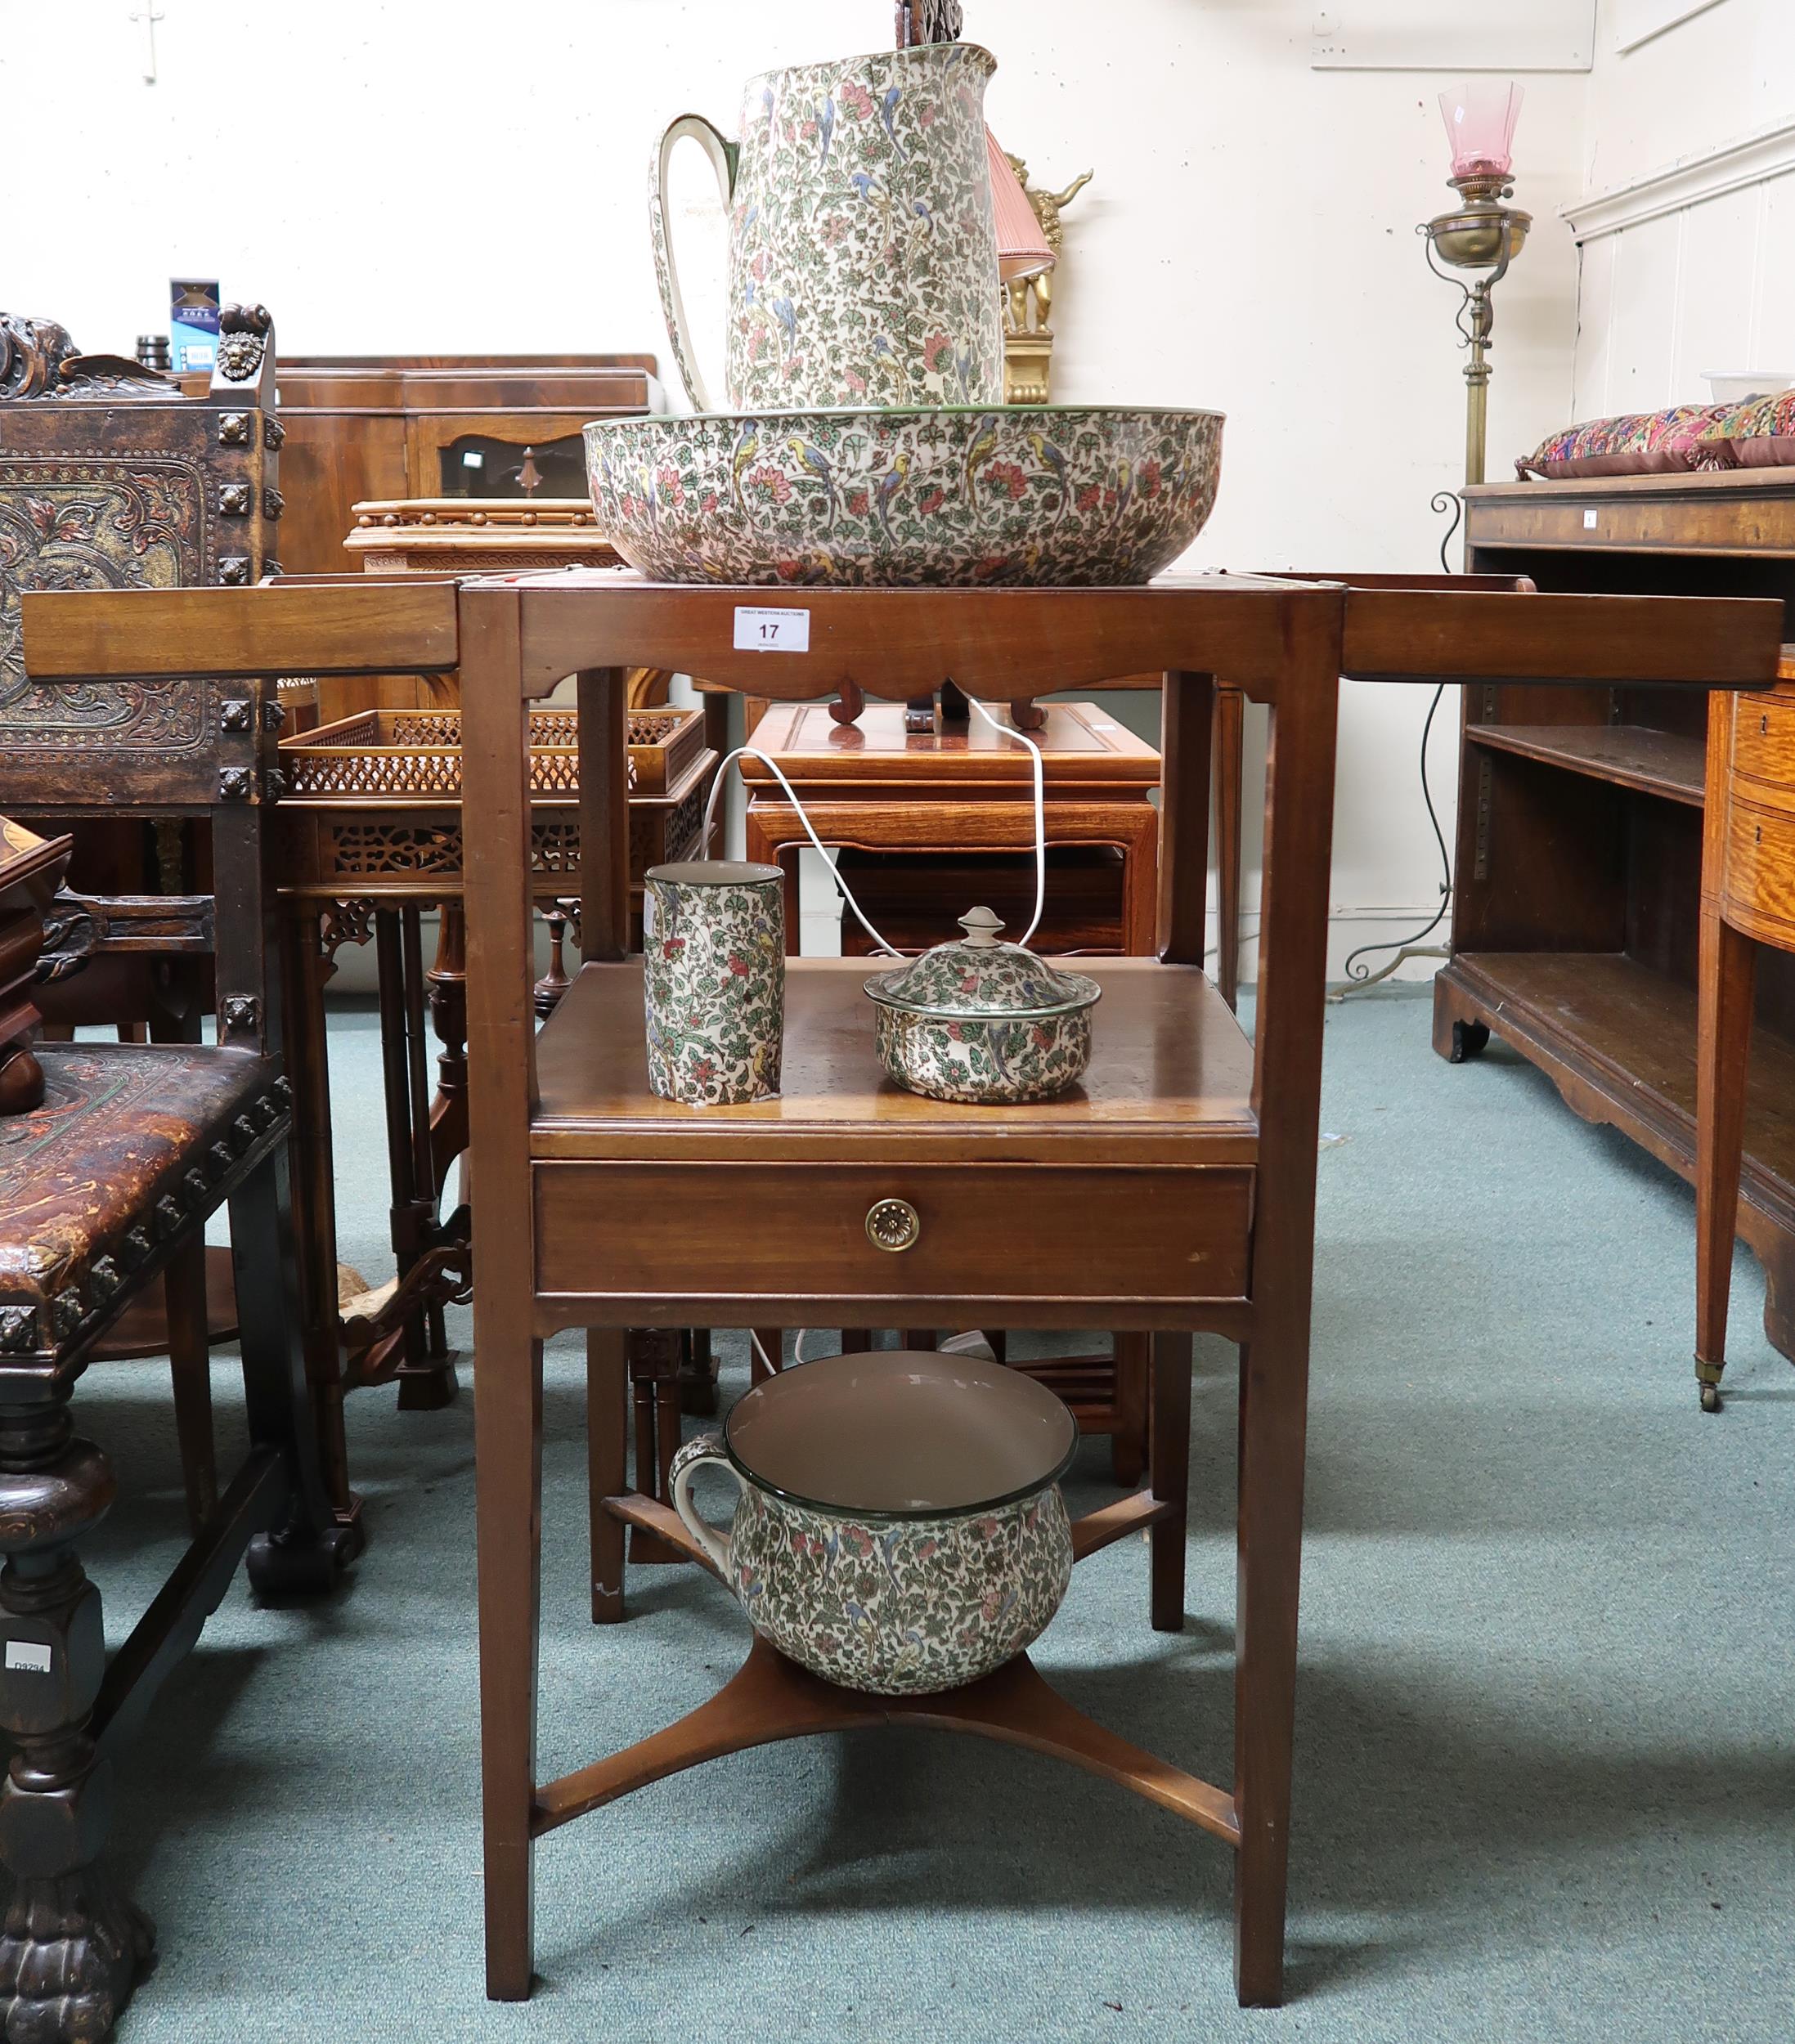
(705, 1452)
(723, 155)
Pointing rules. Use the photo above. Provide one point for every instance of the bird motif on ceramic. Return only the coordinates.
(882, 348)
(983, 444)
(1053, 460)
(888, 107)
(889, 485)
(748, 445)
(815, 464)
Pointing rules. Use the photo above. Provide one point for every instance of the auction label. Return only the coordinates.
(769, 631)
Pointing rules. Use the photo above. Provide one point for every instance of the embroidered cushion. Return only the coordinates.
(1761, 433)
(1636, 444)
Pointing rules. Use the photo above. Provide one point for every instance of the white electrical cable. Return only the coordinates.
(1022, 738)
(754, 752)
(1005, 730)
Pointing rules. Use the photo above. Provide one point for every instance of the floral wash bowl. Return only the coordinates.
(900, 1527)
(1049, 495)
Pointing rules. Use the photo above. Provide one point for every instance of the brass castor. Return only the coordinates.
(1711, 1397)
(1468, 1039)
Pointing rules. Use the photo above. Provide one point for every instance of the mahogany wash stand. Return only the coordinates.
(600, 1206)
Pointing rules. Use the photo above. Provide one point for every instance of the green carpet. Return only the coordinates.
(1546, 1761)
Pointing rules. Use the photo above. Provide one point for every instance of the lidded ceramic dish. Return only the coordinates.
(980, 1020)
(899, 1527)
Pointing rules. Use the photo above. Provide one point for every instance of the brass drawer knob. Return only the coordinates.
(893, 1224)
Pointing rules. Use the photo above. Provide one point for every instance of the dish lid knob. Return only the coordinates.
(982, 926)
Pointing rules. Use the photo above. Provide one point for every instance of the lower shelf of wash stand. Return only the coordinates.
(778, 1192)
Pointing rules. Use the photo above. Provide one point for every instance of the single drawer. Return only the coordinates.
(1763, 749)
(753, 1231)
(1757, 887)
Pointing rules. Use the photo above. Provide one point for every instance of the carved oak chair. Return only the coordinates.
(111, 478)
(108, 1182)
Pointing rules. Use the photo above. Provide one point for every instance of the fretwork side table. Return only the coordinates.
(371, 838)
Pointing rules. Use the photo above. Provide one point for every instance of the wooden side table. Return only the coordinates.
(1747, 901)
(584, 1172)
(1205, 1141)
(953, 809)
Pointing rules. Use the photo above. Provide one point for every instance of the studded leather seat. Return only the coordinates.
(126, 1149)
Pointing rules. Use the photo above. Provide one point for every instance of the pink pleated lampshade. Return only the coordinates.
(1022, 249)
(1480, 117)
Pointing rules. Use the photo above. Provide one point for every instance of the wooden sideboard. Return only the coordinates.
(1577, 906)
(433, 426)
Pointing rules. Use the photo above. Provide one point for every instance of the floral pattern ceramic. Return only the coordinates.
(862, 251)
(713, 979)
(1057, 494)
(982, 1021)
(984, 1063)
(900, 1606)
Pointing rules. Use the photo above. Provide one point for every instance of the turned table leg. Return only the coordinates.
(70, 1947)
(448, 997)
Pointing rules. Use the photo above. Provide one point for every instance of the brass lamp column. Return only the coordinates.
(1482, 234)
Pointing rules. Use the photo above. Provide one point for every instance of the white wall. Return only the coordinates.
(444, 174)
(1689, 204)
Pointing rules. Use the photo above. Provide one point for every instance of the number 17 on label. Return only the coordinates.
(760, 630)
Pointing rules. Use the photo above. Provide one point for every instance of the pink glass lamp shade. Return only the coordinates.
(1022, 249)
(1480, 117)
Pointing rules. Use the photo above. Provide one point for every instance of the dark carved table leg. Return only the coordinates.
(307, 1555)
(698, 1375)
(654, 1354)
(434, 1385)
(448, 983)
(71, 1947)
